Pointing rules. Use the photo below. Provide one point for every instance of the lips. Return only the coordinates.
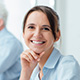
(37, 42)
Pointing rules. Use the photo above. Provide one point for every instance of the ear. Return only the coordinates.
(1, 22)
(58, 34)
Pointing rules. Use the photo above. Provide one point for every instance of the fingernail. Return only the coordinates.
(23, 56)
(38, 59)
(35, 57)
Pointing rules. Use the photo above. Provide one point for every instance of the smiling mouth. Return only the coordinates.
(38, 42)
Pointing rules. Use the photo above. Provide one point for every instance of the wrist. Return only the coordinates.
(25, 74)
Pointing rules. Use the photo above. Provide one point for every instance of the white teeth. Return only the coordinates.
(36, 42)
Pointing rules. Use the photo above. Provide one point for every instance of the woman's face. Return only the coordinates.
(38, 34)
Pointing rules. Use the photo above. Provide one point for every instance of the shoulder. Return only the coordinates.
(12, 42)
(69, 67)
(68, 60)
(10, 38)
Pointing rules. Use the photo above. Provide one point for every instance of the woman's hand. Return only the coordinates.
(29, 60)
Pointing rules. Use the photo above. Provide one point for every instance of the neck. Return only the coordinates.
(44, 58)
(1, 28)
(43, 61)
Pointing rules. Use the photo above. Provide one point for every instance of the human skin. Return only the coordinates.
(40, 40)
(1, 24)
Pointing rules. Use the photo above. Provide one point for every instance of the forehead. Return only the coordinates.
(38, 17)
(36, 13)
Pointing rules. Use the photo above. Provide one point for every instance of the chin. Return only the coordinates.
(37, 51)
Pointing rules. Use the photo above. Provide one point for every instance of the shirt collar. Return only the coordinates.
(53, 59)
(51, 63)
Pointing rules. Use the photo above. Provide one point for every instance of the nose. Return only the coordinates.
(37, 33)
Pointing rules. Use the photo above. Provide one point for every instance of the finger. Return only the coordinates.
(28, 54)
(42, 54)
(30, 57)
(26, 58)
(35, 56)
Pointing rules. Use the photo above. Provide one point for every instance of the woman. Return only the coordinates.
(42, 61)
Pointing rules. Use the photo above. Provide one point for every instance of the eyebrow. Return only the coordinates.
(42, 25)
(46, 26)
(30, 24)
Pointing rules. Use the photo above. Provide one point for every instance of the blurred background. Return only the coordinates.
(68, 11)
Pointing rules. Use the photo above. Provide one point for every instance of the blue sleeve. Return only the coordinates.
(69, 69)
(9, 53)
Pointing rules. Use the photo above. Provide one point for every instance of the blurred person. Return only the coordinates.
(10, 50)
(42, 61)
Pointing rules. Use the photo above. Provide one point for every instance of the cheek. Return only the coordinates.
(50, 38)
(25, 36)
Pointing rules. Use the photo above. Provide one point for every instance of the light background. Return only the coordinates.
(69, 13)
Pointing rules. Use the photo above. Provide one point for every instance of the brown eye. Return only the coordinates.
(31, 27)
(46, 29)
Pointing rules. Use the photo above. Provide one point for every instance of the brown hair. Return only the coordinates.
(51, 15)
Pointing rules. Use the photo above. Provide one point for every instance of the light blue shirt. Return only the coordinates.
(58, 67)
(10, 50)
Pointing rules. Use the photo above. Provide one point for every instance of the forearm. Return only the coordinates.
(25, 75)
